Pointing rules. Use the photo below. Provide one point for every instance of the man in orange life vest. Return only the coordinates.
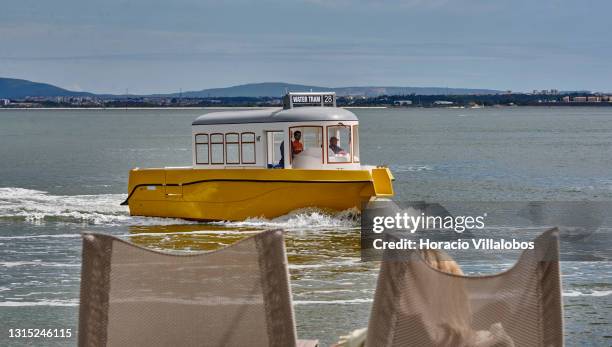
(296, 146)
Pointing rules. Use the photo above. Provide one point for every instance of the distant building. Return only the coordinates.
(593, 99)
(579, 99)
(566, 99)
(546, 92)
(5, 102)
(403, 102)
(443, 102)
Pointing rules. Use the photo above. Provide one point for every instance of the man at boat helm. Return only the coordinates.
(296, 146)
(333, 145)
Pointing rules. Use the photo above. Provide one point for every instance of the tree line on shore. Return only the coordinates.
(412, 100)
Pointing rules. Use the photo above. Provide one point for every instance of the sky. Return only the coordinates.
(155, 46)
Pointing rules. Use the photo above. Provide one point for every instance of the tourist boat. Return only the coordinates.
(264, 163)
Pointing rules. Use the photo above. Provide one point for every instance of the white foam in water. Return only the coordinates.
(39, 303)
(44, 236)
(37, 207)
(36, 263)
(332, 302)
(575, 293)
(411, 168)
(310, 218)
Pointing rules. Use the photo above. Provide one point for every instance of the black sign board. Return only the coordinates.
(309, 99)
(306, 99)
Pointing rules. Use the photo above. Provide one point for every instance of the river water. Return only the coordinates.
(63, 172)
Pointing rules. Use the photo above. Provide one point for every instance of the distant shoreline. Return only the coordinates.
(132, 108)
(169, 108)
(265, 107)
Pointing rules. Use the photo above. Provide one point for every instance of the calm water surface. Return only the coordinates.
(64, 172)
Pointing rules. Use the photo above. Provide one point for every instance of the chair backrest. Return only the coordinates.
(235, 296)
(417, 305)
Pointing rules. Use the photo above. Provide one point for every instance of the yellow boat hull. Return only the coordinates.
(238, 194)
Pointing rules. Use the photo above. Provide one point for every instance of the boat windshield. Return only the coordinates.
(306, 144)
(339, 144)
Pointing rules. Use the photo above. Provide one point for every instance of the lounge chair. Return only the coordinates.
(417, 305)
(234, 296)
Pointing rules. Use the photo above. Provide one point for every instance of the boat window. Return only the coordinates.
(306, 144)
(356, 143)
(248, 148)
(216, 148)
(201, 144)
(232, 148)
(275, 144)
(339, 144)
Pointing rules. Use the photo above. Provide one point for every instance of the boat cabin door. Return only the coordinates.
(275, 149)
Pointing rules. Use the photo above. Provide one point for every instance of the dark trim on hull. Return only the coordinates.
(126, 202)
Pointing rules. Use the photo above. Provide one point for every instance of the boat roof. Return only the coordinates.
(273, 115)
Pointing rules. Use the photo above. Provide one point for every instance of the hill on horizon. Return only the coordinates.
(277, 89)
(19, 88)
(13, 88)
(265, 89)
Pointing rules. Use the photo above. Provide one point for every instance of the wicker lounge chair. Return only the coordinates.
(235, 296)
(417, 305)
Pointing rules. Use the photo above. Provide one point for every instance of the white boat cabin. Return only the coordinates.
(309, 132)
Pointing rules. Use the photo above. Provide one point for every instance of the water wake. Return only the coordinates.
(306, 218)
(39, 303)
(39, 207)
(575, 293)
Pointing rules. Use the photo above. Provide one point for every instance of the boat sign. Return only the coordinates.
(310, 99)
(306, 99)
